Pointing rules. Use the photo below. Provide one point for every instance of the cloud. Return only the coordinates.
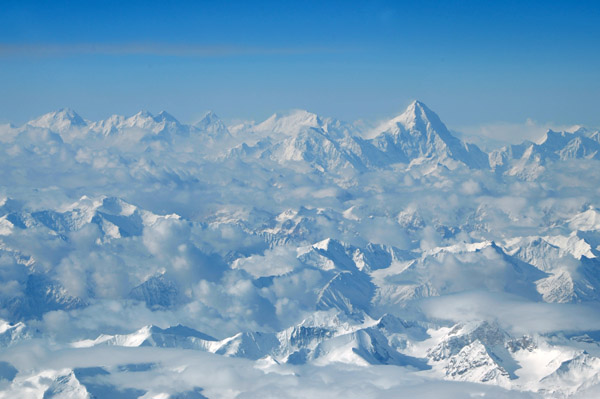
(273, 262)
(223, 377)
(237, 298)
(169, 240)
(512, 312)
(470, 187)
(8, 133)
(381, 230)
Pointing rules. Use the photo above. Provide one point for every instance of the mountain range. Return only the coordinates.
(144, 257)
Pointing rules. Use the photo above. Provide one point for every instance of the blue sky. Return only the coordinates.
(473, 62)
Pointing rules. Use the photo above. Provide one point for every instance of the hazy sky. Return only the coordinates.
(473, 62)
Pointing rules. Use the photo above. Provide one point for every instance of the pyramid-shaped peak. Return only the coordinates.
(416, 117)
(418, 105)
(419, 133)
(417, 113)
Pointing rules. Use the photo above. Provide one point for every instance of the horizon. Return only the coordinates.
(484, 135)
(474, 64)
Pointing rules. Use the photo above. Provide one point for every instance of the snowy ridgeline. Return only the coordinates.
(297, 257)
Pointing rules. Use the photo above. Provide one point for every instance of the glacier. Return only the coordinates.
(300, 256)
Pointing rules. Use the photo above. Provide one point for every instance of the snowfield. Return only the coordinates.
(297, 257)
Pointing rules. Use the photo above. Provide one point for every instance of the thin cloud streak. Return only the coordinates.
(152, 49)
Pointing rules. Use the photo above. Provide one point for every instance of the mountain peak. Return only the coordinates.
(68, 113)
(166, 117)
(417, 115)
(209, 118)
(143, 119)
(210, 114)
(419, 133)
(61, 120)
(143, 114)
(213, 125)
(290, 122)
(416, 104)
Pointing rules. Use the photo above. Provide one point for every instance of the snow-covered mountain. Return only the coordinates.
(144, 257)
(213, 126)
(59, 121)
(419, 133)
(528, 159)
